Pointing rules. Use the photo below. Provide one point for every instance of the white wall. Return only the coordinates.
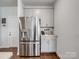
(20, 10)
(20, 13)
(12, 27)
(66, 19)
(8, 11)
(46, 15)
(0, 33)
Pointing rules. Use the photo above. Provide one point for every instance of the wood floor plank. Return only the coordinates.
(43, 56)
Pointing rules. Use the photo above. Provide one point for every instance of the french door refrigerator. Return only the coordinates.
(29, 34)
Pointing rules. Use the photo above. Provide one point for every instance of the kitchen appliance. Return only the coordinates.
(29, 34)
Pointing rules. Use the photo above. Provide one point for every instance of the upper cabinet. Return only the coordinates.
(46, 17)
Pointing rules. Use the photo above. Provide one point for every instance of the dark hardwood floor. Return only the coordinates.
(43, 55)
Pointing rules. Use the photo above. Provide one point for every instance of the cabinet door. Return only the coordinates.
(44, 45)
(52, 45)
(46, 16)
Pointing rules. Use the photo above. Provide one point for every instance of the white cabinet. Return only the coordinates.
(48, 43)
(44, 45)
(52, 45)
(46, 16)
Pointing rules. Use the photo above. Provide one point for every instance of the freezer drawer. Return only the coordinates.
(30, 49)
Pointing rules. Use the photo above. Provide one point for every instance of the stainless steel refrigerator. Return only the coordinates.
(29, 35)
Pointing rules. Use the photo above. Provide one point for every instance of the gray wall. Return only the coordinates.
(67, 28)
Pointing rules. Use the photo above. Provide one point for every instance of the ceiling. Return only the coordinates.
(38, 2)
(8, 3)
(27, 2)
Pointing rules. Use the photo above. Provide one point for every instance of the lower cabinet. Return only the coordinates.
(48, 44)
(44, 45)
(52, 45)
